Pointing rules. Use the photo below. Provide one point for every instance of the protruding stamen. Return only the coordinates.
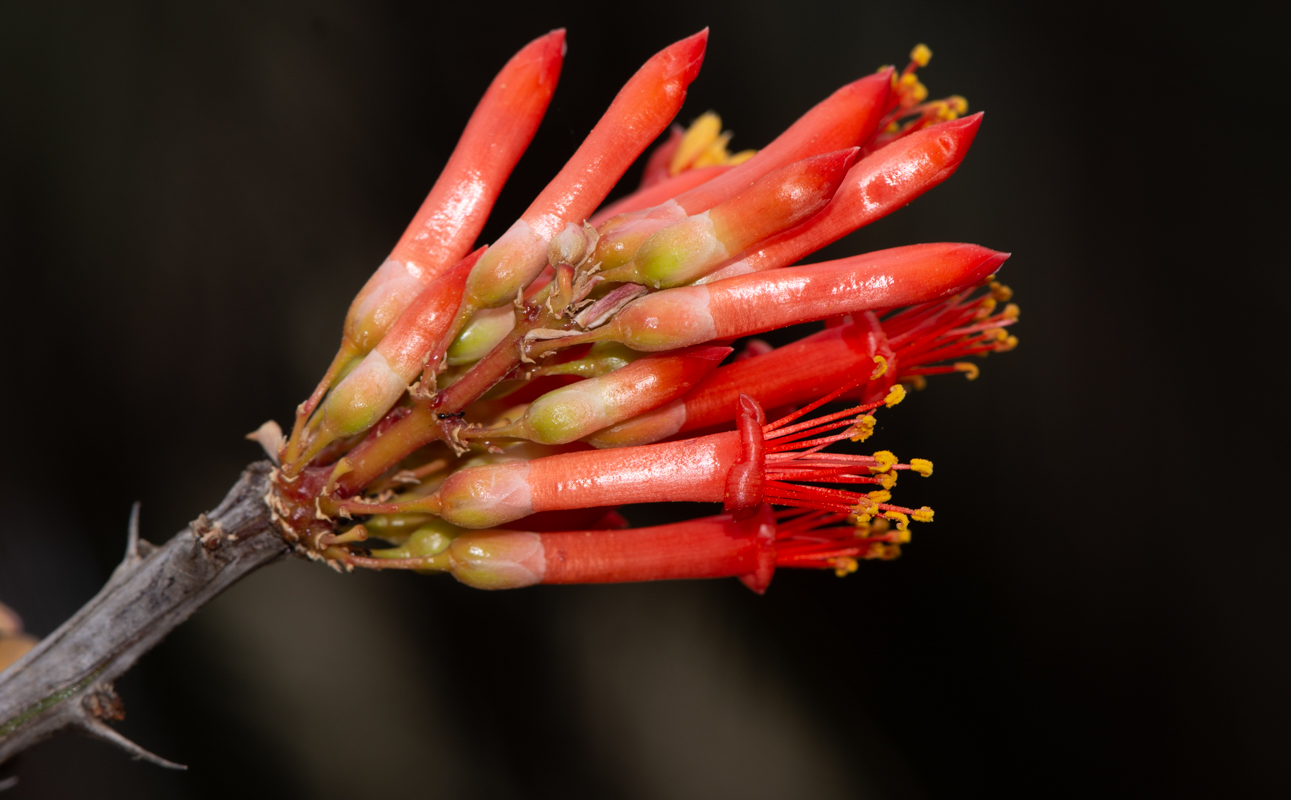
(922, 466)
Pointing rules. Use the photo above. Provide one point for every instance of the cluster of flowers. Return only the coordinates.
(487, 410)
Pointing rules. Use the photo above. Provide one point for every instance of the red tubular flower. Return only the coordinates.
(573, 412)
(723, 546)
(905, 347)
(878, 185)
(642, 110)
(546, 379)
(458, 205)
(756, 303)
(372, 388)
(845, 119)
(658, 193)
(738, 469)
(689, 249)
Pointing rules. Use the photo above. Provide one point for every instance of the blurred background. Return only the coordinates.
(190, 194)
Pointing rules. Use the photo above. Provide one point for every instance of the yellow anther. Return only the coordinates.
(911, 88)
(884, 461)
(714, 154)
(844, 566)
(880, 526)
(998, 334)
(986, 307)
(924, 514)
(866, 509)
(895, 395)
(919, 382)
(969, 369)
(887, 480)
(903, 537)
(1007, 345)
(957, 104)
(943, 111)
(921, 55)
(892, 128)
(740, 157)
(862, 528)
(1011, 311)
(902, 521)
(1001, 292)
(884, 552)
(881, 496)
(698, 137)
(922, 466)
(880, 367)
(863, 429)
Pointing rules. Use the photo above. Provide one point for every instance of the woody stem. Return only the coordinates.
(66, 680)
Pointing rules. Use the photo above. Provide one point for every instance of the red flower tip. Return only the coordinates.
(553, 57)
(989, 265)
(875, 88)
(965, 127)
(690, 52)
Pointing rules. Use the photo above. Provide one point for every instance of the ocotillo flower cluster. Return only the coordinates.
(489, 408)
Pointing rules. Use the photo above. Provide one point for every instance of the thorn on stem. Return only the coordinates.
(95, 727)
(137, 548)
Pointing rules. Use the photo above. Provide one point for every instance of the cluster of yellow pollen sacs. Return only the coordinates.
(868, 519)
(882, 470)
(863, 428)
(704, 145)
(1004, 342)
(880, 551)
(1001, 294)
(911, 95)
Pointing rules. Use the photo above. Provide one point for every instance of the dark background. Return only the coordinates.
(190, 196)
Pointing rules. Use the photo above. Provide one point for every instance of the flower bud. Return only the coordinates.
(568, 247)
(572, 412)
(430, 540)
(623, 235)
(690, 249)
(498, 559)
(481, 334)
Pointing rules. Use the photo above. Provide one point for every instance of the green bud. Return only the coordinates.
(498, 559)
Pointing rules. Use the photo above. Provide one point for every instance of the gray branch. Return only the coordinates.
(66, 680)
